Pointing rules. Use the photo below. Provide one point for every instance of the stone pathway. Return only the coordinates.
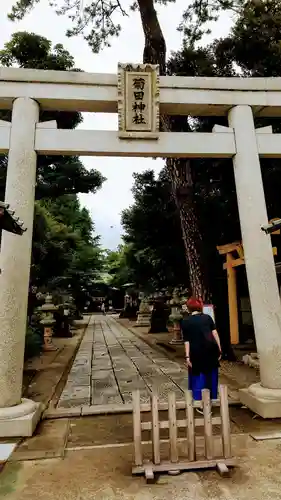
(111, 362)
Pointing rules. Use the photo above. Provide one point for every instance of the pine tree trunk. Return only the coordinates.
(154, 51)
(179, 170)
(182, 190)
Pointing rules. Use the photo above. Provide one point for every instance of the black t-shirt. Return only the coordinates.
(204, 352)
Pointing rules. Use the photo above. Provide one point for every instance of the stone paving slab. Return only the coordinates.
(144, 397)
(75, 391)
(72, 403)
(81, 381)
(112, 362)
(101, 364)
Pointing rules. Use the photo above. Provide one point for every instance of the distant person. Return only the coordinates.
(103, 308)
(202, 350)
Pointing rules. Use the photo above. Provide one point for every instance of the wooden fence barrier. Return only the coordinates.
(189, 423)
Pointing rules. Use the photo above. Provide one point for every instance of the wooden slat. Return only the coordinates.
(229, 247)
(199, 422)
(180, 405)
(240, 261)
(234, 263)
(208, 424)
(164, 424)
(137, 427)
(200, 464)
(232, 301)
(225, 422)
(173, 426)
(190, 428)
(155, 428)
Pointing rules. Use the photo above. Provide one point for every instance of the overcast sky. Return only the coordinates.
(115, 195)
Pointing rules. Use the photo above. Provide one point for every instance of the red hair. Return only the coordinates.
(194, 304)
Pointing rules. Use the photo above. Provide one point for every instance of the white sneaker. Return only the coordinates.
(201, 412)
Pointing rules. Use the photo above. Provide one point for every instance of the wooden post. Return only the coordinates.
(137, 427)
(173, 426)
(232, 301)
(208, 433)
(225, 422)
(155, 428)
(190, 425)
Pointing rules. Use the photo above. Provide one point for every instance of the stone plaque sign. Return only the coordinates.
(138, 101)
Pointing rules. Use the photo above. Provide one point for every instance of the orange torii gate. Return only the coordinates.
(235, 257)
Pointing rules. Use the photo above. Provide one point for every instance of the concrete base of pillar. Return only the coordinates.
(264, 402)
(20, 420)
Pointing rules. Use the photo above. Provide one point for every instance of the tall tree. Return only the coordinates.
(67, 210)
(64, 251)
(155, 249)
(252, 48)
(56, 175)
(118, 266)
(64, 245)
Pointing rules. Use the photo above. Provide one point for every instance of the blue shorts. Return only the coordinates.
(196, 383)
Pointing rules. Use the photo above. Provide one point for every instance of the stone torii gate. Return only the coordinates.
(139, 95)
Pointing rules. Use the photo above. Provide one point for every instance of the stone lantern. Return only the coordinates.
(48, 321)
(176, 317)
(144, 313)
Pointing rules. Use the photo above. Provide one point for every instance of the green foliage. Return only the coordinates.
(254, 40)
(67, 209)
(153, 250)
(28, 50)
(56, 175)
(53, 246)
(153, 254)
(118, 266)
(33, 341)
(252, 49)
(200, 13)
(64, 249)
(99, 21)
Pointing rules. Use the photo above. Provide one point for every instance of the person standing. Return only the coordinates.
(202, 350)
(103, 308)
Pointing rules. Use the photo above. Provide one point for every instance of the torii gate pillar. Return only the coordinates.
(18, 417)
(263, 398)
